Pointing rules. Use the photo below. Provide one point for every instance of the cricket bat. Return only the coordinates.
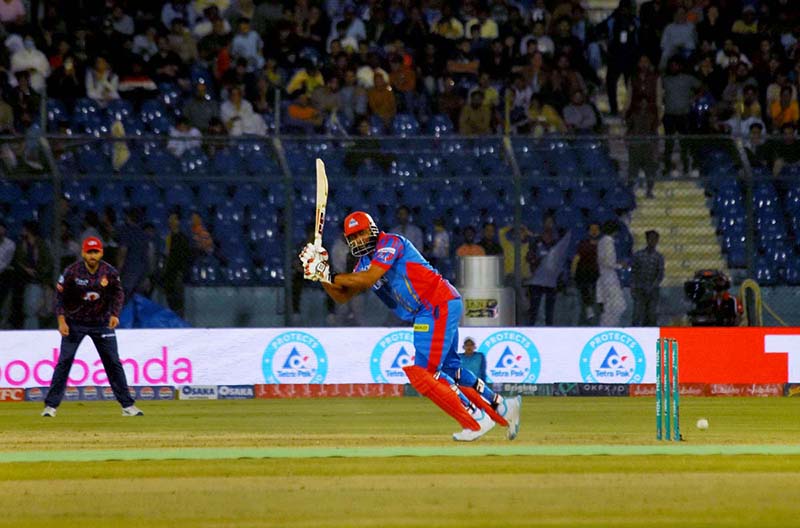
(322, 202)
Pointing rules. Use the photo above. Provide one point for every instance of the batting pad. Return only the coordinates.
(440, 394)
(479, 402)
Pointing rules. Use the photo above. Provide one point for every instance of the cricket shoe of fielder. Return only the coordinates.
(509, 409)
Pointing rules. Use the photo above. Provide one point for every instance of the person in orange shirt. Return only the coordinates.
(403, 80)
(784, 110)
(469, 248)
(303, 113)
(381, 100)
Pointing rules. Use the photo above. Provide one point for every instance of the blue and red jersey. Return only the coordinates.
(410, 283)
(89, 299)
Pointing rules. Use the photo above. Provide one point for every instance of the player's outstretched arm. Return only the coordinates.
(345, 286)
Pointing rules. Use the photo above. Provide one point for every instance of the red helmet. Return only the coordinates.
(355, 223)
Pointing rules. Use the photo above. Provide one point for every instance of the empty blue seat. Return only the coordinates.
(9, 192)
(550, 197)
(180, 195)
(440, 125)
(119, 109)
(619, 198)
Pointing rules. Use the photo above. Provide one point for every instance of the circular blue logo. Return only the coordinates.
(294, 357)
(511, 357)
(612, 357)
(390, 354)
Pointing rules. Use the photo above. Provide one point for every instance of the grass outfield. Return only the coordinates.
(561, 489)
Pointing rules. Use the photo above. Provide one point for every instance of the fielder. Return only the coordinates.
(406, 283)
(89, 298)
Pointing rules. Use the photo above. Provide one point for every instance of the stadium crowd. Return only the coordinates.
(689, 66)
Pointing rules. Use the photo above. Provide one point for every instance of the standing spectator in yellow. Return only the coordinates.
(475, 118)
(784, 110)
(307, 79)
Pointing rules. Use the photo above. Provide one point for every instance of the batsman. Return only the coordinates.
(409, 286)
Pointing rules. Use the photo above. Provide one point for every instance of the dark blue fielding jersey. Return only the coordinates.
(89, 298)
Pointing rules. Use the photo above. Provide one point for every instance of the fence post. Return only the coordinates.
(288, 221)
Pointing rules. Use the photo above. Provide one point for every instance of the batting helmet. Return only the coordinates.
(355, 223)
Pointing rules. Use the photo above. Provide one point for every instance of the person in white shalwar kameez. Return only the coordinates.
(609, 290)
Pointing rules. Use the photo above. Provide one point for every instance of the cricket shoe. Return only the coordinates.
(484, 421)
(132, 411)
(49, 412)
(509, 410)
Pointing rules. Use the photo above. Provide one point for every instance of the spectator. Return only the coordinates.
(495, 62)
(745, 29)
(756, 148)
(620, 30)
(647, 273)
(328, 98)
(579, 116)
(12, 14)
(565, 81)
(202, 243)
(33, 61)
(781, 81)
(7, 249)
(545, 256)
(406, 227)
(403, 80)
(729, 55)
(653, 17)
(507, 236)
(785, 149)
(201, 108)
(644, 84)
(145, 44)
(476, 118)
(210, 21)
(642, 122)
(785, 110)
(315, 29)
(353, 25)
(303, 115)
(166, 66)
(469, 248)
(382, 102)
(247, 44)
(136, 85)
(678, 93)
(543, 118)
(448, 26)
(585, 273)
(471, 360)
(176, 266)
(183, 137)
(440, 248)
(306, 79)
(489, 241)
(122, 22)
(181, 41)
(64, 83)
(178, 9)
(679, 38)
(711, 32)
(353, 96)
(463, 64)
(25, 102)
(609, 289)
(132, 256)
(238, 115)
(33, 269)
(102, 85)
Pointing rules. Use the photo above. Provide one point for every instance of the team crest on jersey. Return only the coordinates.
(103, 281)
(390, 354)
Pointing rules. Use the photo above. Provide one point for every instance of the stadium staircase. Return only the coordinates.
(688, 237)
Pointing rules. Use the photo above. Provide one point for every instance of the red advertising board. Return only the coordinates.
(333, 390)
(12, 394)
(730, 355)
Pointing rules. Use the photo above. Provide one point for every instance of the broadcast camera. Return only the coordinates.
(713, 304)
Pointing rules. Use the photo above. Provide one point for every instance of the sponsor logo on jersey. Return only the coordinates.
(91, 296)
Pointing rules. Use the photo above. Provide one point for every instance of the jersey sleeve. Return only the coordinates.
(116, 292)
(388, 250)
(61, 285)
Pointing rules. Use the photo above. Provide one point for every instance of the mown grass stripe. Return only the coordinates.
(94, 455)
